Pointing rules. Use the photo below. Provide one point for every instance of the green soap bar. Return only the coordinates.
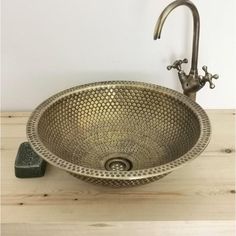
(28, 163)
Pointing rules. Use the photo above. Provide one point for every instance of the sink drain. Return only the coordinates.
(118, 164)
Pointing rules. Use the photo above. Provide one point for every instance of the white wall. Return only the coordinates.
(51, 45)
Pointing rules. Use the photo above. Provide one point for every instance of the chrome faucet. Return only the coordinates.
(193, 82)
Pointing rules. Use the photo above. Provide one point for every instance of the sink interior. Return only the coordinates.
(118, 127)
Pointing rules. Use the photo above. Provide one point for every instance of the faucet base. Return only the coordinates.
(191, 95)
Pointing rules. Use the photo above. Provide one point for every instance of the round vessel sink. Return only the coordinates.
(118, 133)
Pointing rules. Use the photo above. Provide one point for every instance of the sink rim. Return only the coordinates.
(195, 151)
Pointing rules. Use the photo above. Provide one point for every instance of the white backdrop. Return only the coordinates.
(51, 45)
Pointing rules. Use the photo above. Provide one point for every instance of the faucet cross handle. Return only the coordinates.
(177, 64)
(208, 77)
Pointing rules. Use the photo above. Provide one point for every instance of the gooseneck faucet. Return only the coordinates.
(193, 82)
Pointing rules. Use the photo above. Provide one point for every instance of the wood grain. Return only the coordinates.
(161, 228)
(203, 190)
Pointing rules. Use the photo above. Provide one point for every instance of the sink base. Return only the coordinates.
(113, 183)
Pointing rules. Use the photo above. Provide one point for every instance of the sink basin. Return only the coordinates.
(118, 133)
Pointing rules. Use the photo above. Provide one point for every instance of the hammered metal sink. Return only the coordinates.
(119, 133)
(125, 133)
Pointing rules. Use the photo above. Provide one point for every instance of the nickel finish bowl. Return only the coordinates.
(118, 133)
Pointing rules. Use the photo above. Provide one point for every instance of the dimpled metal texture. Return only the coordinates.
(118, 133)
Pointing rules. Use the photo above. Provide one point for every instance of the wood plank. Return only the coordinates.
(13, 131)
(202, 190)
(11, 114)
(14, 117)
(185, 194)
(167, 228)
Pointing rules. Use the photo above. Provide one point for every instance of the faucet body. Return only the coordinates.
(192, 82)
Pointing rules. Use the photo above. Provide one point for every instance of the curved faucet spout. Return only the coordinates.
(196, 28)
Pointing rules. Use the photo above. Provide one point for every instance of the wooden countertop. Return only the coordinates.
(197, 199)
